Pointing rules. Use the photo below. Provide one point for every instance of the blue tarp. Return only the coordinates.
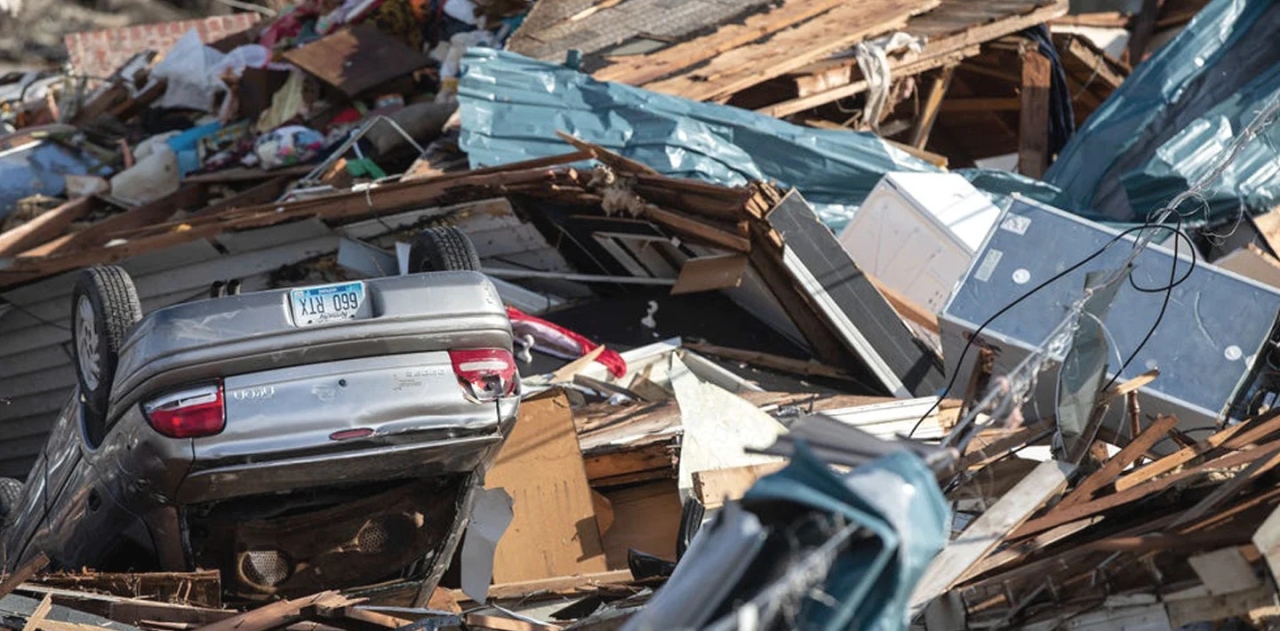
(1168, 125)
(512, 106)
(38, 168)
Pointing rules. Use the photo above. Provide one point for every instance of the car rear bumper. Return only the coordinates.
(369, 463)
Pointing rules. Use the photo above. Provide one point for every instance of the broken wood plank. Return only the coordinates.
(1056, 518)
(907, 308)
(614, 160)
(654, 460)
(917, 65)
(1001, 447)
(765, 360)
(197, 589)
(277, 614)
(751, 64)
(1033, 125)
(150, 213)
(1225, 491)
(714, 487)
(693, 228)
(23, 574)
(264, 193)
(37, 617)
(1129, 454)
(988, 530)
(929, 113)
(727, 37)
(1020, 551)
(710, 273)
(45, 227)
(1250, 431)
(247, 174)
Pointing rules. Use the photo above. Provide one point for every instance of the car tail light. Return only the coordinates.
(188, 413)
(485, 374)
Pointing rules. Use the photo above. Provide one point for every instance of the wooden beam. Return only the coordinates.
(23, 574)
(45, 227)
(710, 273)
(988, 530)
(1033, 125)
(1116, 464)
(1228, 489)
(907, 308)
(924, 122)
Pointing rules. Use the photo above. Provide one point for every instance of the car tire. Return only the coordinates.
(104, 306)
(441, 250)
(10, 493)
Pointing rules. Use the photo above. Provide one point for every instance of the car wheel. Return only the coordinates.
(442, 249)
(10, 492)
(103, 307)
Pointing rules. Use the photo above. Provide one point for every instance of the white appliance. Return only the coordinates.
(917, 233)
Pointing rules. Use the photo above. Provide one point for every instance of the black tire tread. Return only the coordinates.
(443, 249)
(120, 309)
(10, 493)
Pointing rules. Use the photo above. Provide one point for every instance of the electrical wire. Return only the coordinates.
(978, 332)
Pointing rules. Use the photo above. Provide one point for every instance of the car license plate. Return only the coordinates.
(330, 303)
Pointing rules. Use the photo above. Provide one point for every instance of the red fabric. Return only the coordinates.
(561, 342)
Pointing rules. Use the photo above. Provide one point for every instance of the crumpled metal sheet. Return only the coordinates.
(1168, 125)
(511, 107)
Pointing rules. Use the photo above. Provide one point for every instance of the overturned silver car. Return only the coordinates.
(296, 439)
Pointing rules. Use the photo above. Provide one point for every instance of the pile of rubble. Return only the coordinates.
(845, 314)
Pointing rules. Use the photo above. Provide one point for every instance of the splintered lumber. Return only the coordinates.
(693, 228)
(987, 531)
(1107, 474)
(1248, 431)
(604, 156)
(199, 589)
(1033, 126)
(745, 66)
(567, 585)
(1224, 492)
(277, 614)
(1056, 517)
(23, 574)
(646, 68)
(47, 226)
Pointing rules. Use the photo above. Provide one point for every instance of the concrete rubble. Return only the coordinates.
(825, 314)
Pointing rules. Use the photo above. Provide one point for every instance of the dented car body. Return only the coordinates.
(293, 451)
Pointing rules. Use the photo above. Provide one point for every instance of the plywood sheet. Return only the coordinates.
(708, 273)
(646, 517)
(554, 532)
(356, 59)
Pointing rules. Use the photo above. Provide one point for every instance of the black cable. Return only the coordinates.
(1099, 252)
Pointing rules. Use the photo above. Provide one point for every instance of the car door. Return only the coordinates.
(84, 519)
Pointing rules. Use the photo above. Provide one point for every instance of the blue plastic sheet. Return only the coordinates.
(512, 106)
(39, 168)
(1168, 125)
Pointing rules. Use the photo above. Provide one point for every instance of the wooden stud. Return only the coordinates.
(1033, 126)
